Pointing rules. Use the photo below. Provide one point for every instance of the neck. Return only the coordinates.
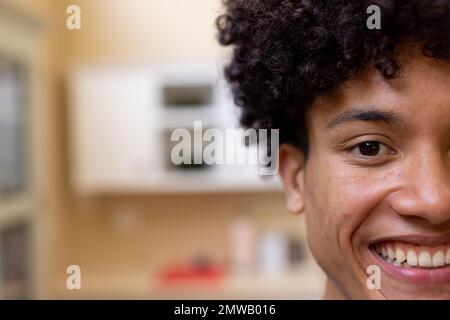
(332, 292)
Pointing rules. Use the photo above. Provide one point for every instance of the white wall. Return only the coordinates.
(142, 30)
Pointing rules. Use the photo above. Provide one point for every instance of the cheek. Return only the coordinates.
(338, 199)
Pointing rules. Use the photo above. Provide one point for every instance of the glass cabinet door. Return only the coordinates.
(12, 126)
(15, 201)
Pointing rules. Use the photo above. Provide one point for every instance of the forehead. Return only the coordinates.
(421, 92)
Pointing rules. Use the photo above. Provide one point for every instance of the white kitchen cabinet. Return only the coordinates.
(121, 119)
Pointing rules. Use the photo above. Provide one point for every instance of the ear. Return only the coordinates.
(292, 165)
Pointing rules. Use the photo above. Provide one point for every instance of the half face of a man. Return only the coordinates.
(375, 187)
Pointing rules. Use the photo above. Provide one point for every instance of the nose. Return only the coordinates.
(425, 191)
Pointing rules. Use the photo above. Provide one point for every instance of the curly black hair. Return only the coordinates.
(289, 52)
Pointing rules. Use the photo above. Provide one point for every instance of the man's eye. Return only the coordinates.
(371, 149)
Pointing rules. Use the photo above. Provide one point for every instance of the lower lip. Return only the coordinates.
(435, 276)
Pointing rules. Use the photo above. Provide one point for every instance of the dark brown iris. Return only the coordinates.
(370, 148)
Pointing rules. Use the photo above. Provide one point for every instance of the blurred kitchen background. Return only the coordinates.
(85, 178)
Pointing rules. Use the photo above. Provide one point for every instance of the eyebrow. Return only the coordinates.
(368, 114)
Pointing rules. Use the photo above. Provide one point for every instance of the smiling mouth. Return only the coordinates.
(407, 255)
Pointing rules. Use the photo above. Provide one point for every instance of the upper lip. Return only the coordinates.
(417, 239)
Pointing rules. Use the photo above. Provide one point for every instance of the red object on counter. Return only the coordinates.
(179, 274)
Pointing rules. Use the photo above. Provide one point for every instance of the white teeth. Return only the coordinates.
(411, 258)
(438, 259)
(400, 255)
(425, 259)
(383, 252)
(391, 254)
